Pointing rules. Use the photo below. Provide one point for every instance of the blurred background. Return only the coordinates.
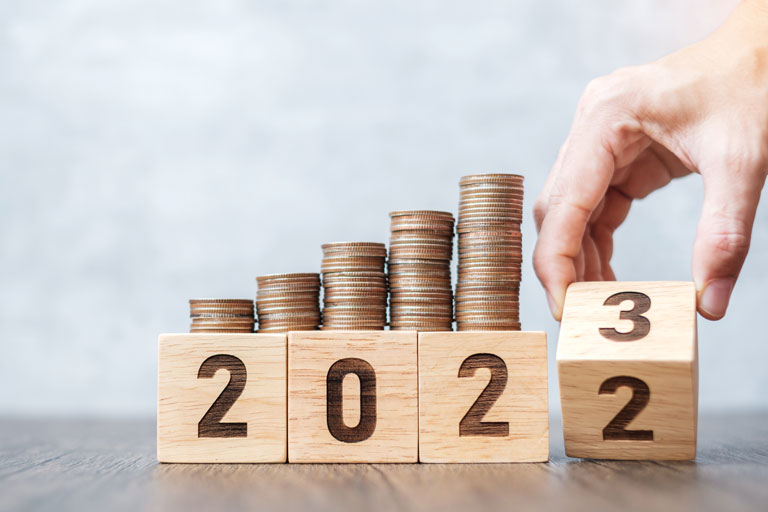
(155, 151)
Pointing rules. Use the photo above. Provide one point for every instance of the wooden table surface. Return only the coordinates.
(110, 465)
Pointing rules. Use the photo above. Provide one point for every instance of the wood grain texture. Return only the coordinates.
(199, 376)
(451, 381)
(672, 316)
(393, 357)
(617, 337)
(76, 464)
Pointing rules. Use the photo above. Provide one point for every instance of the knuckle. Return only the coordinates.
(748, 160)
(616, 88)
(594, 92)
(731, 246)
(737, 157)
(737, 161)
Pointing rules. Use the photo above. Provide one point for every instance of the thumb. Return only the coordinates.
(723, 235)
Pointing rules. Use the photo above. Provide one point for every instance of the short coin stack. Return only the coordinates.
(490, 252)
(355, 286)
(420, 251)
(221, 315)
(288, 302)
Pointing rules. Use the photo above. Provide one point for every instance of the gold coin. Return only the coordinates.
(476, 327)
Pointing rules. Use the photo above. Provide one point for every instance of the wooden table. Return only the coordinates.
(82, 464)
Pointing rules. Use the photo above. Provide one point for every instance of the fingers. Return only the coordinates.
(648, 172)
(593, 270)
(605, 135)
(615, 210)
(723, 235)
(542, 202)
(576, 190)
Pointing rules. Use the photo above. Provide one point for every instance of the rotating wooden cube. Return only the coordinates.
(628, 369)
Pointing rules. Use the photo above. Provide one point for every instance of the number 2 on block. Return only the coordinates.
(472, 423)
(211, 425)
(616, 430)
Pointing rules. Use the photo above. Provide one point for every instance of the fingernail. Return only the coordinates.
(715, 296)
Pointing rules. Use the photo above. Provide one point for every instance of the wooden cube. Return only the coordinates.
(628, 367)
(483, 397)
(222, 398)
(353, 396)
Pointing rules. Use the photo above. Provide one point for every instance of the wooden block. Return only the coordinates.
(222, 398)
(628, 367)
(483, 397)
(353, 396)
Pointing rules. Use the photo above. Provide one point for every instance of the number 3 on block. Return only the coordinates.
(627, 361)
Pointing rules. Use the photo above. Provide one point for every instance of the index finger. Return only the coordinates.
(577, 188)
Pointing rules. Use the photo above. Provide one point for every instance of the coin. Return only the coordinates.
(244, 302)
(420, 252)
(355, 286)
(220, 331)
(355, 249)
(490, 252)
(288, 302)
(417, 283)
(221, 315)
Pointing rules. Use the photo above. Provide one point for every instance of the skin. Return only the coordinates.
(704, 110)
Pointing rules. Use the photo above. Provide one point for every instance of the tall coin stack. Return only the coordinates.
(288, 302)
(490, 252)
(354, 286)
(221, 315)
(420, 251)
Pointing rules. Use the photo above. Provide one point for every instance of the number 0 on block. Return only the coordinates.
(353, 396)
(628, 368)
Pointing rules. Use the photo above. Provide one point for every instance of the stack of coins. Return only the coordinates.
(288, 302)
(221, 315)
(355, 286)
(420, 251)
(490, 252)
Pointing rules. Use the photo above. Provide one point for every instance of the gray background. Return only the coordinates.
(153, 151)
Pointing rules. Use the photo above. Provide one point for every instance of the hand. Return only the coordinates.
(703, 109)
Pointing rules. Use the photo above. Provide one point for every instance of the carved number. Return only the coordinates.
(335, 412)
(210, 425)
(642, 326)
(616, 429)
(472, 423)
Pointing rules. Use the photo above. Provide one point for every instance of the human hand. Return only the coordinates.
(703, 109)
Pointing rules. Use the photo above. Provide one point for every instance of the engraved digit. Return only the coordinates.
(617, 429)
(210, 425)
(641, 325)
(334, 408)
(472, 423)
